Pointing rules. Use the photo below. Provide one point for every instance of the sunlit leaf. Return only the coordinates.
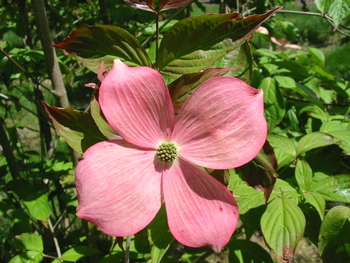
(317, 56)
(333, 188)
(317, 201)
(38, 206)
(323, 5)
(28, 241)
(196, 43)
(275, 107)
(338, 10)
(303, 174)
(334, 237)
(283, 147)
(76, 253)
(28, 257)
(77, 128)
(314, 140)
(93, 43)
(183, 87)
(283, 225)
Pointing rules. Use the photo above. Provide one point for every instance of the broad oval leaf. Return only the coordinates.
(314, 140)
(76, 253)
(28, 241)
(28, 257)
(77, 128)
(101, 121)
(333, 188)
(195, 43)
(283, 225)
(275, 107)
(317, 201)
(38, 206)
(95, 44)
(284, 148)
(303, 174)
(334, 237)
(184, 86)
(338, 10)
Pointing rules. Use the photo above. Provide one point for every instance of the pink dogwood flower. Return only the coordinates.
(122, 184)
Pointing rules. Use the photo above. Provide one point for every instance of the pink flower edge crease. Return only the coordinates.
(122, 184)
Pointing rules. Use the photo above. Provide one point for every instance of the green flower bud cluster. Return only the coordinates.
(167, 152)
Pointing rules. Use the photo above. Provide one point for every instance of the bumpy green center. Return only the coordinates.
(167, 152)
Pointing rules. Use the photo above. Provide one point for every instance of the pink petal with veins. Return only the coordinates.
(222, 124)
(119, 187)
(201, 211)
(137, 104)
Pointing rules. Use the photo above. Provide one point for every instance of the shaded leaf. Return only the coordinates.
(241, 58)
(77, 128)
(77, 253)
(314, 140)
(260, 173)
(196, 43)
(184, 86)
(334, 237)
(283, 225)
(243, 251)
(157, 6)
(159, 236)
(101, 121)
(104, 43)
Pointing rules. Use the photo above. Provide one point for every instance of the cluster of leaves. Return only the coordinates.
(309, 129)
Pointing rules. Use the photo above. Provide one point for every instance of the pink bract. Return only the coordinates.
(121, 184)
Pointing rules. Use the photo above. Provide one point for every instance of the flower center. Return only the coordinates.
(167, 152)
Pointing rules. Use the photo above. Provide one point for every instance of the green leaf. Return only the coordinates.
(184, 86)
(284, 189)
(28, 241)
(314, 140)
(333, 188)
(340, 131)
(283, 225)
(275, 107)
(248, 197)
(196, 43)
(315, 112)
(323, 5)
(159, 236)
(101, 121)
(38, 206)
(334, 237)
(303, 174)
(77, 128)
(317, 56)
(317, 201)
(339, 10)
(285, 82)
(283, 147)
(104, 43)
(245, 251)
(242, 59)
(28, 257)
(77, 253)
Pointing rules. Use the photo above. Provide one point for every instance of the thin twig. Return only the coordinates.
(127, 249)
(55, 241)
